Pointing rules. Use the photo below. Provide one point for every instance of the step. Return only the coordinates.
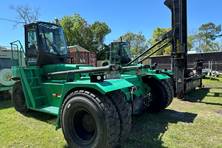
(33, 78)
(36, 87)
(40, 97)
(40, 101)
(50, 109)
(32, 68)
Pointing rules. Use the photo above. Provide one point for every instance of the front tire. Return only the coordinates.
(124, 111)
(90, 120)
(18, 98)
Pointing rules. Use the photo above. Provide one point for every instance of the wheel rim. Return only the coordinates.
(84, 126)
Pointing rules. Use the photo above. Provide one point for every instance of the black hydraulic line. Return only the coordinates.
(126, 68)
(134, 60)
(97, 70)
(92, 70)
(166, 36)
(163, 46)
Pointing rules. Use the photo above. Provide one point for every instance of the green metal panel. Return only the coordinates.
(136, 78)
(146, 72)
(54, 93)
(155, 74)
(159, 76)
(64, 67)
(47, 95)
(141, 87)
(26, 89)
(103, 87)
(31, 84)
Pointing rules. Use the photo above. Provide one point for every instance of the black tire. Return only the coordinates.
(89, 120)
(161, 95)
(18, 98)
(125, 113)
(173, 85)
(5, 95)
(169, 85)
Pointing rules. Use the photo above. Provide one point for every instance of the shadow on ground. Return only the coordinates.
(5, 103)
(5, 100)
(148, 129)
(211, 78)
(41, 116)
(199, 95)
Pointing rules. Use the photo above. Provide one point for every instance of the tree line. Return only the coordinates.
(92, 36)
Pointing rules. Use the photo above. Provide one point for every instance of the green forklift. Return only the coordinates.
(93, 105)
(182, 79)
(154, 90)
(89, 107)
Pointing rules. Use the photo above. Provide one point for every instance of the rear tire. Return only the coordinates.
(170, 90)
(90, 120)
(161, 94)
(18, 98)
(125, 113)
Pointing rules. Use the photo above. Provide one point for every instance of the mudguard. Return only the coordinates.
(102, 87)
(159, 76)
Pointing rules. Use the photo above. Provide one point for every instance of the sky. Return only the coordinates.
(121, 15)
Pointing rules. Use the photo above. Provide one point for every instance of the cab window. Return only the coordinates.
(32, 40)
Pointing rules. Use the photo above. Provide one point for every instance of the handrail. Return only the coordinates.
(20, 52)
(18, 41)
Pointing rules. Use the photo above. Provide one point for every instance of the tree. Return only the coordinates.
(26, 14)
(206, 37)
(157, 34)
(190, 42)
(137, 42)
(79, 32)
(99, 30)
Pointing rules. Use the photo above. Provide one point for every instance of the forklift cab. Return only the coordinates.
(45, 44)
(120, 53)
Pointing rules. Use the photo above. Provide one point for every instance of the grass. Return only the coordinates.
(193, 123)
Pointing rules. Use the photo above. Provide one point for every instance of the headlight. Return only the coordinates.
(97, 77)
(101, 77)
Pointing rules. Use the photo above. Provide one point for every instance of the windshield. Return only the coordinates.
(120, 53)
(125, 49)
(52, 39)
